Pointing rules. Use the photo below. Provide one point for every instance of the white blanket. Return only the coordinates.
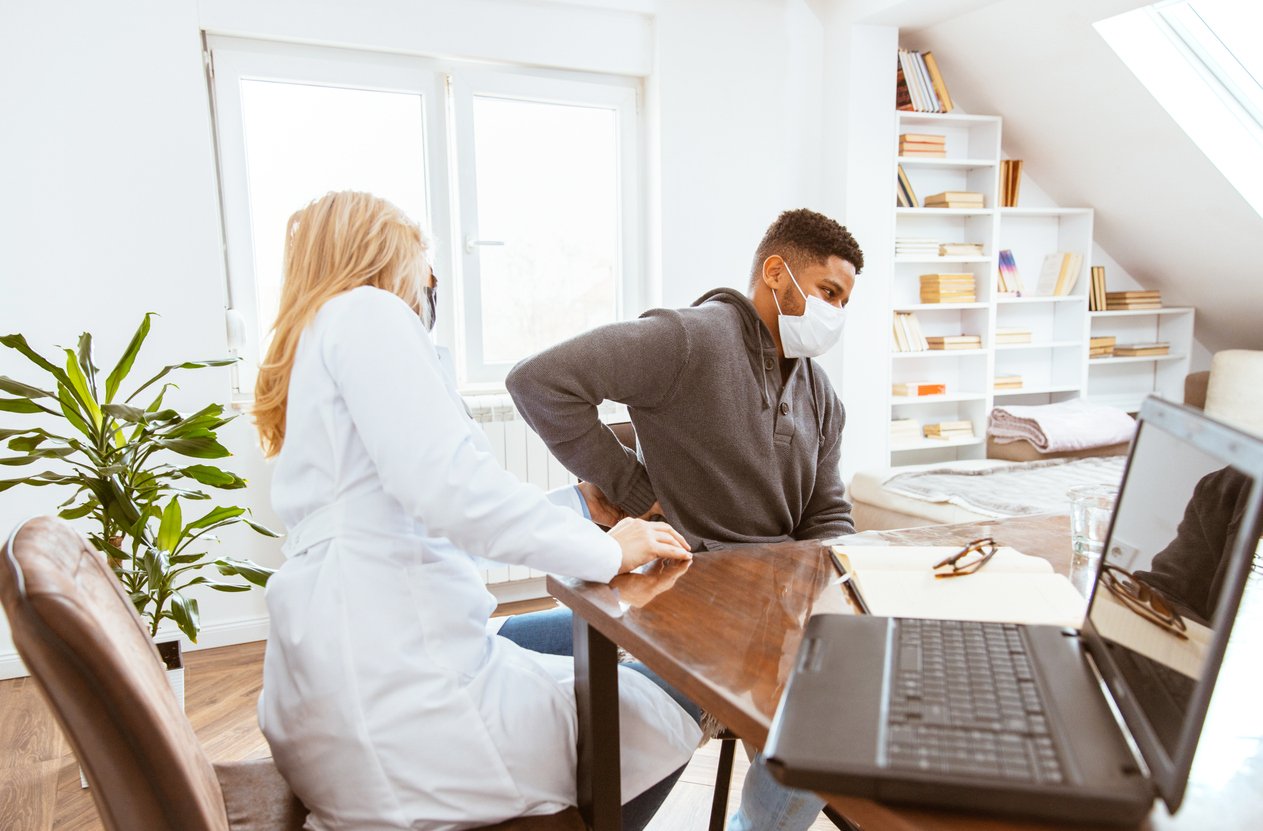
(1069, 425)
(1014, 490)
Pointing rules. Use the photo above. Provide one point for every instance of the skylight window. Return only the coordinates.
(1195, 58)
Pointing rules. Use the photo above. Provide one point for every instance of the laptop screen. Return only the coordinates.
(1171, 577)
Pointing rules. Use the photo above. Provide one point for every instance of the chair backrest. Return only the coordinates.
(1234, 392)
(87, 649)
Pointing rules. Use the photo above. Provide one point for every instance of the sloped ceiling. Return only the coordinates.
(1090, 134)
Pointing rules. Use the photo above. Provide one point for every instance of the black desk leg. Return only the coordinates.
(596, 693)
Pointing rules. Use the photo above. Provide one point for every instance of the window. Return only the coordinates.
(527, 182)
(1196, 58)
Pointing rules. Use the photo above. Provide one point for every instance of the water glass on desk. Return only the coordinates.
(1091, 507)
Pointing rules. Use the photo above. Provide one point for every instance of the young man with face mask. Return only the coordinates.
(739, 431)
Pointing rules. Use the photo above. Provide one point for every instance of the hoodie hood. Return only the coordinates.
(757, 338)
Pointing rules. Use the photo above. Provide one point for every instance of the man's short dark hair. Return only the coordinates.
(804, 237)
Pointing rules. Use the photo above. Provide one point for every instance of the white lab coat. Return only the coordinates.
(385, 702)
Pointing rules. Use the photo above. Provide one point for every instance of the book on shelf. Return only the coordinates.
(1012, 335)
(1142, 350)
(1101, 346)
(905, 431)
(948, 288)
(910, 78)
(954, 341)
(1121, 301)
(1008, 382)
(908, 335)
(1010, 182)
(960, 249)
(1059, 273)
(1009, 280)
(950, 430)
(915, 247)
(933, 151)
(955, 199)
(923, 138)
(1096, 297)
(907, 196)
(918, 388)
(936, 80)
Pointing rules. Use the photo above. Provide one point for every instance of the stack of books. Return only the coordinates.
(954, 341)
(1059, 274)
(1120, 301)
(1009, 281)
(908, 336)
(947, 288)
(1012, 335)
(1008, 382)
(955, 199)
(950, 430)
(905, 431)
(1101, 346)
(918, 85)
(918, 388)
(960, 249)
(1096, 296)
(1010, 182)
(905, 196)
(916, 247)
(926, 145)
(1142, 350)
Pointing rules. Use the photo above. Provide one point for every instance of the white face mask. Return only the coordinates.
(812, 333)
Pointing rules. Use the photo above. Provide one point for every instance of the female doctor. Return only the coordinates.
(385, 702)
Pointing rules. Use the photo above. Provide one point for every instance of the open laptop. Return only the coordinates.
(1041, 721)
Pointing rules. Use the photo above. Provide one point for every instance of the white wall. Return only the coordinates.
(108, 174)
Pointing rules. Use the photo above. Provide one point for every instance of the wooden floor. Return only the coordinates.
(39, 778)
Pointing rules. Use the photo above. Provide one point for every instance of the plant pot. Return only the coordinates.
(173, 662)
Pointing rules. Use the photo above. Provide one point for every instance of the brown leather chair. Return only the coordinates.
(90, 655)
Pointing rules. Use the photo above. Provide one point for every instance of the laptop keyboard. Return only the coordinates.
(963, 700)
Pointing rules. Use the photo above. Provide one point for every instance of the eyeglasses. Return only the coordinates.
(1142, 599)
(969, 559)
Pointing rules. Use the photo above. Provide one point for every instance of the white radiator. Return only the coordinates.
(523, 454)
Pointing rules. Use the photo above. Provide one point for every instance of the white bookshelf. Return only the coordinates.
(1054, 365)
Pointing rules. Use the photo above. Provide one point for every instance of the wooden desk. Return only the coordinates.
(725, 629)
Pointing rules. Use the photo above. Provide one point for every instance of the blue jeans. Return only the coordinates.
(552, 633)
(766, 805)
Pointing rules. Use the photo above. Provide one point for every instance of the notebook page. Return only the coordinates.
(1000, 597)
(862, 559)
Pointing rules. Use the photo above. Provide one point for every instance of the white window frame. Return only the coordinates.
(447, 89)
(619, 96)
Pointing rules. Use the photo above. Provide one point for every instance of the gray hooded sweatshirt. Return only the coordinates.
(734, 453)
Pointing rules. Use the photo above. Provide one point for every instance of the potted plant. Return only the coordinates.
(127, 461)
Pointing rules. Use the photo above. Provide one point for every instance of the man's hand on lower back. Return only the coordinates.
(600, 508)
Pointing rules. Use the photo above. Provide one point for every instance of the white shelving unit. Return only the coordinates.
(1054, 366)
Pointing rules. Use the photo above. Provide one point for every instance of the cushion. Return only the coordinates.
(1024, 451)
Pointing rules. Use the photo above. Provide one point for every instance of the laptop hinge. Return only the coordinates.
(1132, 747)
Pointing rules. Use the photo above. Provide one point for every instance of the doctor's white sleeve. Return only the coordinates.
(387, 372)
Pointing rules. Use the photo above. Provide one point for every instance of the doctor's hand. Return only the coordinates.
(643, 542)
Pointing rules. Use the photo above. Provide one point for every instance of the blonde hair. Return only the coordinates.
(339, 242)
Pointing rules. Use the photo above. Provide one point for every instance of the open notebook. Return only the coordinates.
(898, 581)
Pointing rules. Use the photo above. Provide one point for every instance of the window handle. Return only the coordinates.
(471, 242)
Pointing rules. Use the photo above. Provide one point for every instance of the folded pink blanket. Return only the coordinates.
(1069, 425)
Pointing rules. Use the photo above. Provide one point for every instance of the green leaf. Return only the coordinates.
(135, 415)
(26, 444)
(151, 563)
(184, 613)
(262, 529)
(251, 572)
(79, 511)
(216, 585)
(85, 361)
(79, 386)
(124, 364)
(213, 476)
(109, 549)
(186, 365)
(36, 455)
(170, 531)
(213, 516)
(18, 342)
(200, 447)
(70, 409)
(23, 390)
(39, 480)
(21, 431)
(22, 405)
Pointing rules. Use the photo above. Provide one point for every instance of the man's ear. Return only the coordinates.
(774, 272)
